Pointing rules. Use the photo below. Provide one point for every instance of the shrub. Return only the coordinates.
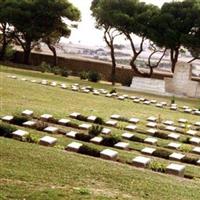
(123, 119)
(64, 72)
(162, 153)
(89, 151)
(94, 76)
(81, 118)
(6, 130)
(83, 75)
(136, 139)
(9, 53)
(19, 119)
(56, 70)
(45, 67)
(185, 148)
(32, 138)
(189, 160)
(95, 130)
(83, 137)
(113, 91)
(40, 126)
(157, 166)
(99, 120)
(173, 100)
(73, 125)
(110, 140)
(161, 135)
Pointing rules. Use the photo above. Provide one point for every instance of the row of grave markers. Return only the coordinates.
(87, 89)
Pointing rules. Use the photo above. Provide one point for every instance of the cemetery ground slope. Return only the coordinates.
(30, 171)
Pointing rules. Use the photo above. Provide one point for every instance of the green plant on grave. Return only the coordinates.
(94, 76)
(157, 166)
(90, 151)
(56, 70)
(121, 126)
(19, 119)
(64, 72)
(99, 121)
(95, 130)
(83, 137)
(110, 140)
(45, 67)
(32, 138)
(83, 75)
(6, 130)
(40, 126)
(159, 120)
(186, 127)
(114, 90)
(173, 100)
(185, 148)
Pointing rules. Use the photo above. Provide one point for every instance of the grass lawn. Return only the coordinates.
(30, 171)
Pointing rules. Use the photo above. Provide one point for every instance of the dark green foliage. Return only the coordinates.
(95, 130)
(89, 151)
(40, 126)
(173, 100)
(110, 141)
(136, 139)
(73, 125)
(64, 72)
(82, 118)
(45, 67)
(31, 138)
(83, 75)
(99, 120)
(94, 76)
(19, 119)
(189, 160)
(6, 130)
(161, 135)
(113, 91)
(162, 153)
(83, 137)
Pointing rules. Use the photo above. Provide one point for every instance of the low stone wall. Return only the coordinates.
(77, 65)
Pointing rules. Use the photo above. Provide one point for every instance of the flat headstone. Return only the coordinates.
(152, 119)
(85, 126)
(71, 134)
(115, 116)
(194, 140)
(136, 100)
(121, 98)
(176, 156)
(170, 128)
(74, 115)
(75, 89)
(109, 154)
(196, 150)
(125, 96)
(108, 95)
(51, 129)
(159, 105)
(91, 118)
(174, 136)
(147, 102)
(122, 145)
(168, 122)
(173, 108)
(96, 93)
(86, 91)
(148, 150)
(142, 99)
(19, 134)
(141, 161)
(111, 123)
(63, 121)
(197, 123)
(197, 112)
(153, 101)
(29, 123)
(23, 79)
(106, 131)
(96, 140)
(134, 120)
(63, 86)
(74, 146)
(7, 118)
(151, 124)
(54, 84)
(174, 145)
(27, 112)
(127, 135)
(152, 131)
(133, 97)
(181, 120)
(33, 81)
(191, 132)
(188, 110)
(198, 162)
(151, 140)
(47, 141)
(131, 127)
(44, 82)
(46, 117)
(176, 169)
(185, 107)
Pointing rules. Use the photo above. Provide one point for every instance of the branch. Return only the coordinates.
(195, 58)
(132, 44)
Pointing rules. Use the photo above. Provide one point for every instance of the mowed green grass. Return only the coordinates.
(29, 171)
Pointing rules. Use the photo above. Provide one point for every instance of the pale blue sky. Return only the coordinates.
(86, 33)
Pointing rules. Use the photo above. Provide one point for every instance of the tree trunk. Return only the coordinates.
(174, 58)
(53, 50)
(113, 73)
(27, 52)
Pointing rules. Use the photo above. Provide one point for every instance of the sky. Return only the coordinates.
(86, 33)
